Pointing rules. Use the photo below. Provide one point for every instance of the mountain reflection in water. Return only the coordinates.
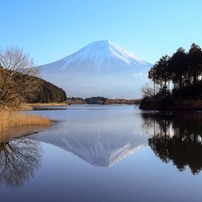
(19, 159)
(101, 138)
(177, 139)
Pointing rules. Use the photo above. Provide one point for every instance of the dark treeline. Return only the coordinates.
(182, 71)
(47, 92)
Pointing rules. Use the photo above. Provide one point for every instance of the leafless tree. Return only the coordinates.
(150, 89)
(17, 77)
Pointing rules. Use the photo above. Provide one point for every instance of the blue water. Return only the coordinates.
(97, 153)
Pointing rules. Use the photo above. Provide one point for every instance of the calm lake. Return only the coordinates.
(105, 154)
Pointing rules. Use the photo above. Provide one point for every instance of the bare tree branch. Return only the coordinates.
(17, 77)
(150, 89)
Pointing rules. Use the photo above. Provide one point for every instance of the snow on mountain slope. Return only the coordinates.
(99, 149)
(101, 68)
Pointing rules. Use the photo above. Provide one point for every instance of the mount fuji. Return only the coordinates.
(101, 68)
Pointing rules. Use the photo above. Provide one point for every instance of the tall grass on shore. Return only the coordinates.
(20, 119)
(15, 123)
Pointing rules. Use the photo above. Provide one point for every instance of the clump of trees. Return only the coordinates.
(178, 76)
(19, 81)
(47, 92)
(96, 100)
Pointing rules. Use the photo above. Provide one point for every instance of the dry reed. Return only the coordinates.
(15, 124)
(10, 119)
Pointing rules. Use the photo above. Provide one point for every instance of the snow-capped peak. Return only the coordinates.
(100, 51)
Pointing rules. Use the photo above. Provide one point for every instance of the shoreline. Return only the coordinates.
(30, 106)
(173, 105)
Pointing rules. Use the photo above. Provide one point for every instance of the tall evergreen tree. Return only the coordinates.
(195, 62)
(160, 72)
(179, 67)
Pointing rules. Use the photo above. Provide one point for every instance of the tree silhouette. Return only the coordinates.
(195, 62)
(179, 67)
(160, 73)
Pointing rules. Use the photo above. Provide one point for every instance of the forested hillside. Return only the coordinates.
(16, 88)
(47, 92)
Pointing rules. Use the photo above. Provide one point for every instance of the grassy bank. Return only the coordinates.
(21, 119)
(15, 124)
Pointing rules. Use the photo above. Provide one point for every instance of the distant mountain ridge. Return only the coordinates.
(101, 68)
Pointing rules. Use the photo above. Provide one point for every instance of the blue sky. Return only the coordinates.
(49, 30)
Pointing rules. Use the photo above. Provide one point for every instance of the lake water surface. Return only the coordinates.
(105, 154)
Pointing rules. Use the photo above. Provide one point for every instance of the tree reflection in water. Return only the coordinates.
(177, 138)
(18, 160)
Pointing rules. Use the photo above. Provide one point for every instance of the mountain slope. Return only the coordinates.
(101, 68)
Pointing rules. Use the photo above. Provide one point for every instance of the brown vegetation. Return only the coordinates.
(31, 106)
(20, 119)
(12, 121)
(20, 82)
(17, 77)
